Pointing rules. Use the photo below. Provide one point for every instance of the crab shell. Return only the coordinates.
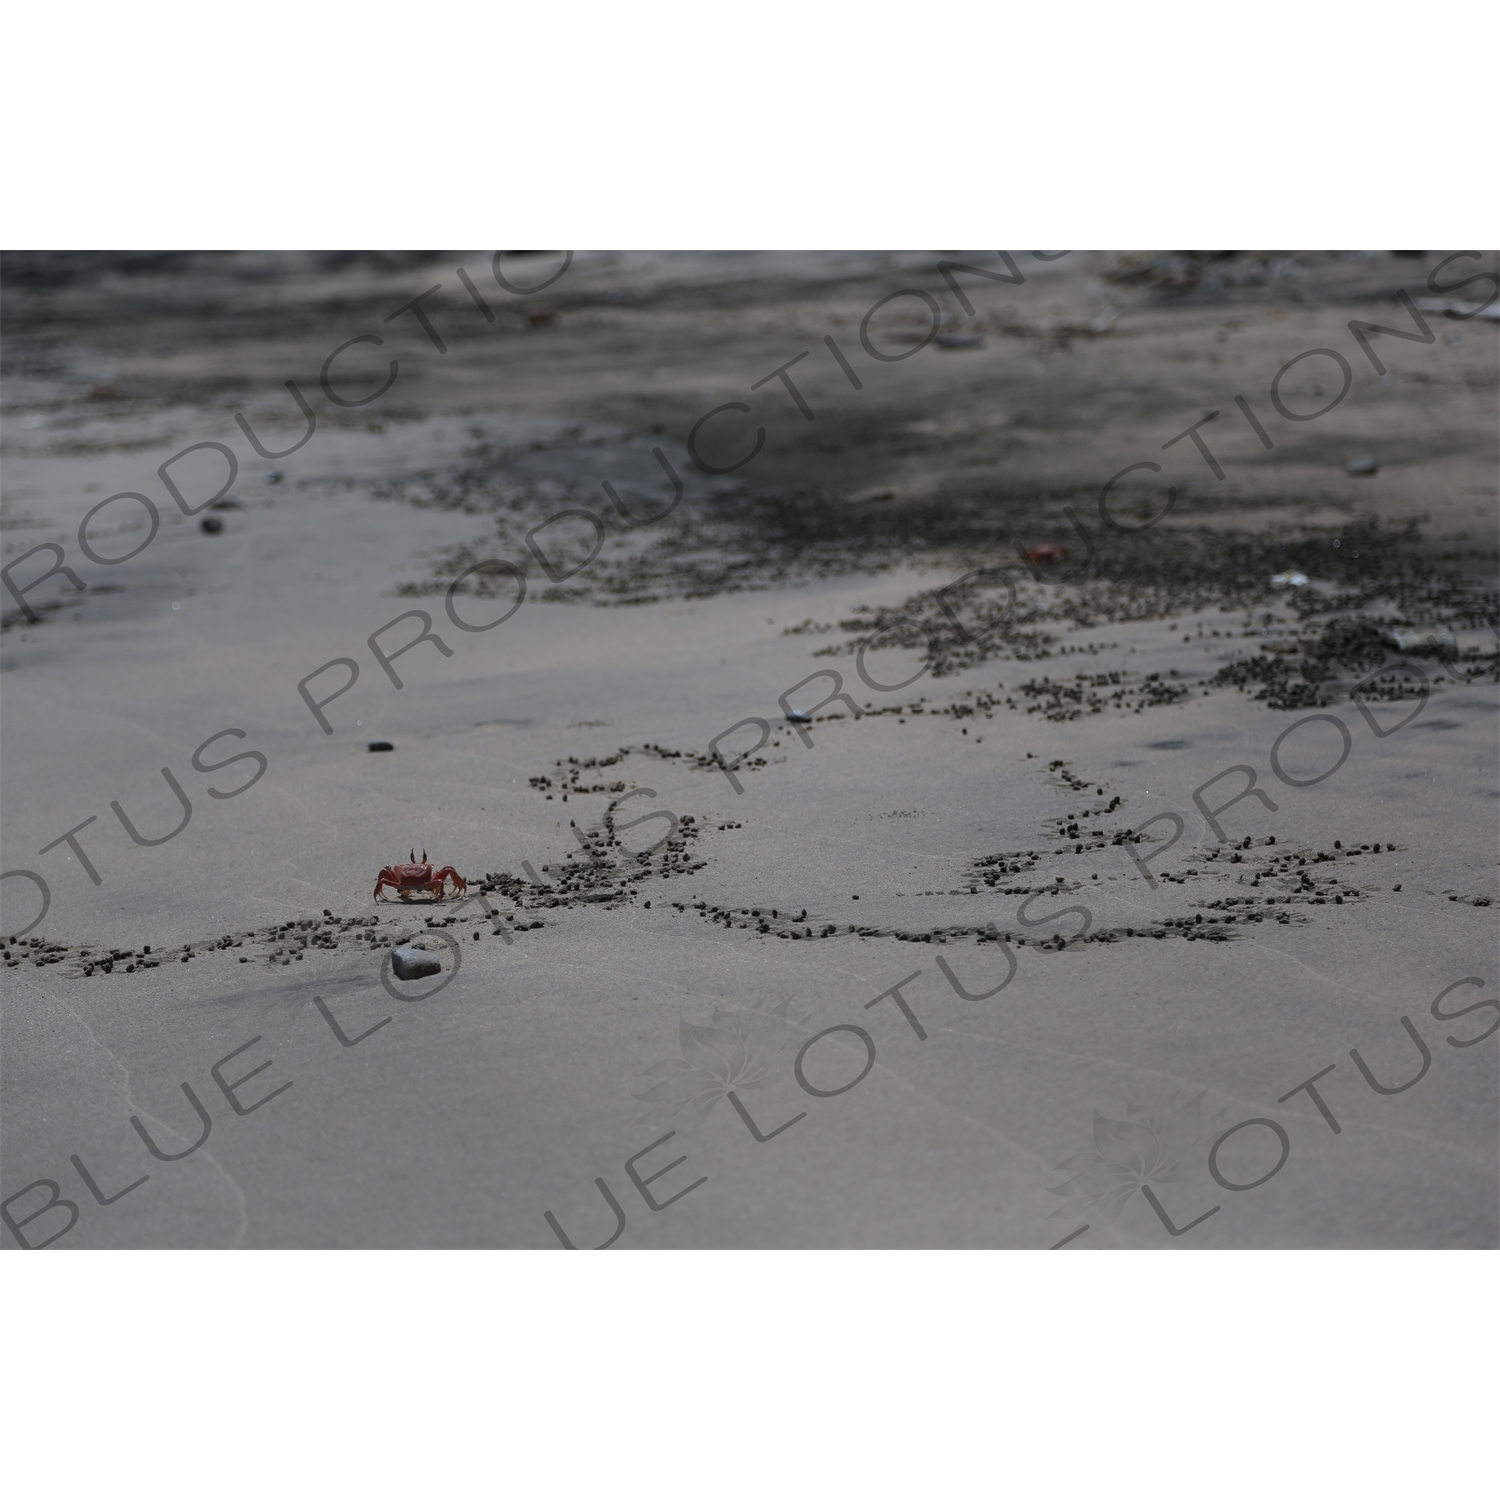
(408, 878)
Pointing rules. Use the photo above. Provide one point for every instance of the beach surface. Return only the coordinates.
(893, 845)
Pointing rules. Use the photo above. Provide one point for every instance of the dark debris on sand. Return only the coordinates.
(1370, 575)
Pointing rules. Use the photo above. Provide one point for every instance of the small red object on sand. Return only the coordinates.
(416, 877)
(1046, 553)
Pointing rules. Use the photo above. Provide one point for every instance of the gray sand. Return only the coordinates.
(1132, 1035)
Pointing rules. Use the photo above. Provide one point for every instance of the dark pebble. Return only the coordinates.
(211, 524)
(380, 745)
(413, 963)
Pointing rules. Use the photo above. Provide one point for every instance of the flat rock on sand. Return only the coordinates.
(413, 963)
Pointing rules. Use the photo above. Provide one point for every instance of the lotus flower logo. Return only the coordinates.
(738, 1049)
(1128, 1155)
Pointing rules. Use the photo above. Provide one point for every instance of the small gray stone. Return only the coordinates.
(413, 963)
(796, 716)
(1362, 466)
(211, 524)
(1429, 639)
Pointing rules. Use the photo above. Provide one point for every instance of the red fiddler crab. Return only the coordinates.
(417, 876)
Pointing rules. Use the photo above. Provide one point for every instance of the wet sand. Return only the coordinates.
(975, 821)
